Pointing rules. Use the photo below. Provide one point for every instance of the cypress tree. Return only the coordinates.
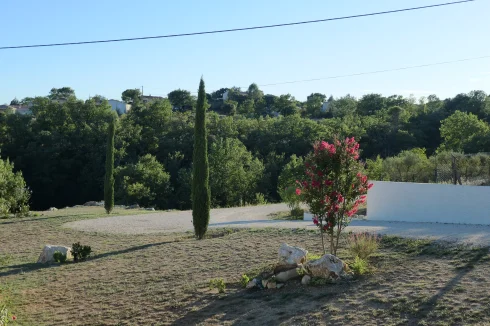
(109, 169)
(201, 196)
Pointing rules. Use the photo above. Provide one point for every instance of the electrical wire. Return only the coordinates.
(377, 71)
(235, 29)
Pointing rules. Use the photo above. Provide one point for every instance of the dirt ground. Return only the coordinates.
(162, 279)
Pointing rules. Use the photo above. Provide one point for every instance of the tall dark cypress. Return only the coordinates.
(109, 169)
(201, 196)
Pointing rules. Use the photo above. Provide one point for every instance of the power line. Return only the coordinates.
(235, 29)
(377, 71)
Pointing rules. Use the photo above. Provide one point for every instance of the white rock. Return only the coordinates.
(52, 209)
(306, 280)
(328, 266)
(291, 255)
(252, 284)
(49, 250)
(287, 275)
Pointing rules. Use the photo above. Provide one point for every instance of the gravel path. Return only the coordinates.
(258, 217)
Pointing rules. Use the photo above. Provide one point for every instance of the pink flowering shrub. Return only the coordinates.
(335, 186)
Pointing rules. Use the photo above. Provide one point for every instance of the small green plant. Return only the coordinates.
(297, 213)
(360, 266)
(6, 316)
(5, 260)
(311, 256)
(218, 283)
(80, 252)
(59, 257)
(363, 245)
(260, 199)
(244, 280)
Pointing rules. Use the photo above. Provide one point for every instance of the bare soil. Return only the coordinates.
(162, 279)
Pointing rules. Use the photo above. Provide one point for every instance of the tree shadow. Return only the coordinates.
(428, 306)
(259, 307)
(31, 267)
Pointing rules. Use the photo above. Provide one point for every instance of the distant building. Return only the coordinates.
(325, 107)
(149, 98)
(119, 106)
(226, 95)
(18, 109)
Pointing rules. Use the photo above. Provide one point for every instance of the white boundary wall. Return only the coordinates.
(423, 202)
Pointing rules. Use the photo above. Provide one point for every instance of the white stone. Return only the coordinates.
(290, 255)
(328, 266)
(306, 280)
(49, 250)
(287, 275)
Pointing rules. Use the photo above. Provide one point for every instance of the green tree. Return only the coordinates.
(182, 100)
(254, 92)
(145, 183)
(234, 173)
(63, 93)
(460, 128)
(247, 107)
(369, 104)
(15, 101)
(201, 196)
(131, 95)
(286, 105)
(14, 194)
(314, 104)
(109, 169)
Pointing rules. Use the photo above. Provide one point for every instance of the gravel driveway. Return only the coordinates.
(258, 217)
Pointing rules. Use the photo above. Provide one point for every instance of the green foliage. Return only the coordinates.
(260, 199)
(293, 171)
(14, 194)
(201, 196)
(297, 213)
(59, 257)
(80, 252)
(109, 170)
(359, 266)
(61, 147)
(6, 316)
(131, 95)
(234, 173)
(244, 280)
(182, 100)
(218, 283)
(363, 245)
(460, 129)
(145, 183)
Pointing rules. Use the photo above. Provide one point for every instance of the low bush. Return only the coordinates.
(6, 316)
(244, 280)
(360, 266)
(218, 283)
(80, 252)
(297, 213)
(363, 245)
(59, 257)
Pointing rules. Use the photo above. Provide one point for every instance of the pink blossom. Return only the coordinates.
(340, 198)
(328, 182)
(315, 184)
(332, 150)
(298, 191)
(315, 220)
(370, 185)
(323, 146)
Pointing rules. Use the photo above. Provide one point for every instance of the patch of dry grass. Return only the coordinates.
(162, 279)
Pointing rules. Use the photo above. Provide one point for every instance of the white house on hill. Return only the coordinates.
(120, 106)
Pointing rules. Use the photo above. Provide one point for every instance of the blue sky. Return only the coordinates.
(238, 59)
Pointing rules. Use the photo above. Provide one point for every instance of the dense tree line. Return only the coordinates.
(61, 147)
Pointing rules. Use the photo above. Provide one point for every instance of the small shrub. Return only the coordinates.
(311, 256)
(6, 316)
(260, 199)
(218, 283)
(360, 266)
(80, 252)
(59, 257)
(363, 245)
(244, 280)
(297, 213)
